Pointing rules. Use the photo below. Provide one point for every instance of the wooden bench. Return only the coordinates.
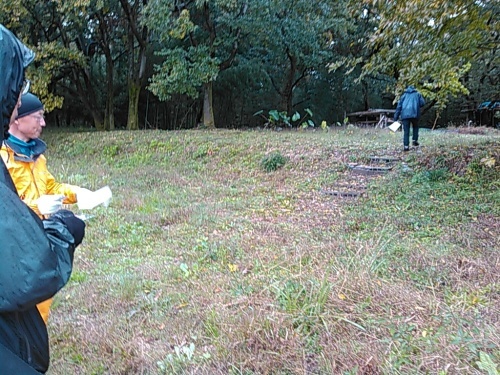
(381, 117)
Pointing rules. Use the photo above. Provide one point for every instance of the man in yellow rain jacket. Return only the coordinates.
(22, 153)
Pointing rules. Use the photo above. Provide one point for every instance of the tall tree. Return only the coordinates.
(352, 51)
(106, 27)
(137, 43)
(429, 43)
(199, 39)
(291, 39)
(55, 30)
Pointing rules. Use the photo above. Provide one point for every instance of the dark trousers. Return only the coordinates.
(406, 130)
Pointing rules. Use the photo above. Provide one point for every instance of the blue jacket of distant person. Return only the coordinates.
(409, 104)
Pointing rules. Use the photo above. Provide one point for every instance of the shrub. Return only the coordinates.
(273, 162)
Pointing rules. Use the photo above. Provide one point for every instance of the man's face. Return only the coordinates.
(30, 126)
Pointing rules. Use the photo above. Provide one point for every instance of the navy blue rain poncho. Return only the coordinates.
(35, 257)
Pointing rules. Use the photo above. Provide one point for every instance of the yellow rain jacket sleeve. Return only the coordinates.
(32, 178)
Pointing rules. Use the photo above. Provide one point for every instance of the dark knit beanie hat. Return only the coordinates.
(29, 104)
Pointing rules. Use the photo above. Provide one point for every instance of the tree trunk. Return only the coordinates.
(96, 116)
(287, 93)
(88, 97)
(134, 90)
(208, 109)
(366, 103)
(110, 98)
(136, 68)
(109, 118)
(84, 91)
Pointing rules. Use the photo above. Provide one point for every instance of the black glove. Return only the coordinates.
(75, 226)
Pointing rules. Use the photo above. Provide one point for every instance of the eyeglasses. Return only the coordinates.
(39, 118)
(26, 87)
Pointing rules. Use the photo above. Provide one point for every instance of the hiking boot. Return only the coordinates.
(415, 143)
(406, 148)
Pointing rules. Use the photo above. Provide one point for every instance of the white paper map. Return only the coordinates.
(93, 199)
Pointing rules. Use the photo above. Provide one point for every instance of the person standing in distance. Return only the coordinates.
(408, 109)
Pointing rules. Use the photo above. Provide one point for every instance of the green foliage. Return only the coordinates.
(204, 150)
(435, 175)
(111, 151)
(274, 53)
(405, 345)
(345, 122)
(427, 44)
(182, 26)
(193, 41)
(211, 325)
(184, 71)
(305, 121)
(486, 363)
(273, 162)
(291, 296)
(484, 167)
(78, 277)
(50, 57)
(304, 303)
(275, 118)
(292, 38)
(280, 118)
(63, 72)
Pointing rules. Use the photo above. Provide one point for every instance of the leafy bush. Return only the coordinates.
(281, 118)
(273, 162)
(434, 175)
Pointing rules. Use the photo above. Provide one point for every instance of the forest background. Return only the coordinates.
(169, 64)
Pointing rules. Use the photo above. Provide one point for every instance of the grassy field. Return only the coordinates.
(229, 252)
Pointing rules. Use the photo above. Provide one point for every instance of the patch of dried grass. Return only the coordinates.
(476, 130)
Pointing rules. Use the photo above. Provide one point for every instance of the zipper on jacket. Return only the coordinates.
(32, 169)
